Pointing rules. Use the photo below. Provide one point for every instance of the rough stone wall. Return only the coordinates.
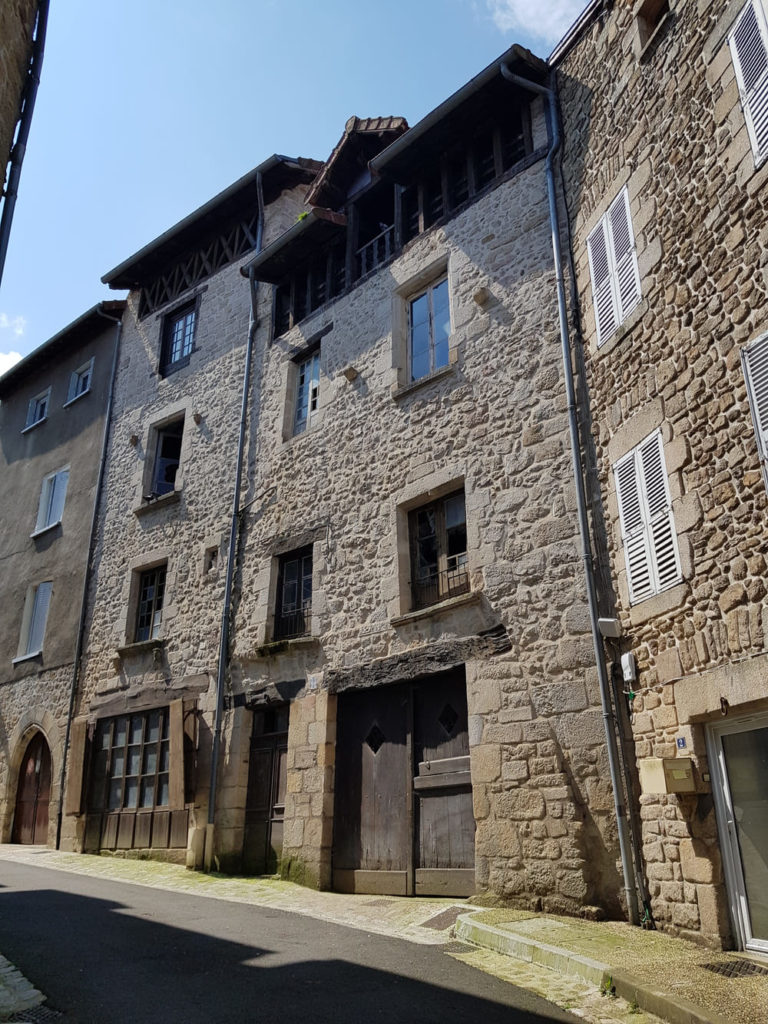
(670, 126)
(17, 19)
(495, 423)
(179, 528)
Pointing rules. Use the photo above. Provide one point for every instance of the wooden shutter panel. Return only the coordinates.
(627, 275)
(73, 800)
(633, 529)
(600, 269)
(176, 754)
(749, 52)
(755, 363)
(665, 561)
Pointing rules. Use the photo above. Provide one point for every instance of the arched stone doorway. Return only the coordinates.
(33, 793)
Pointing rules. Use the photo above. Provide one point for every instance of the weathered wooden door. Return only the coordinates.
(444, 821)
(30, 820)
(265, 801)
(403, 820)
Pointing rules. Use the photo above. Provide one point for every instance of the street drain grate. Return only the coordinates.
(37, 1015)
(444, 920)
(379, 903)
(739, 969)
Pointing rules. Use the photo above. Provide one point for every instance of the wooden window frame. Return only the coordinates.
(37, 410)
(173, 428)
(53, 486)
(428, 292)
(180, 315)
(308, 403)
(296, 621)
(33, 610)
(155, 577)
(82, 373)
(450, 580)
(109, 728)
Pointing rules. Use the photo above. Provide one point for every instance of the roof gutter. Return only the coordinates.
(609, 722)
(234, 533)
(20, 146)
(380, 161)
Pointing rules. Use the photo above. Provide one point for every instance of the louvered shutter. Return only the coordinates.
(601, 272)
(59, 484)
(665, 560)
(633, 529)
(755, 362)
(626, 273)
(749, 52)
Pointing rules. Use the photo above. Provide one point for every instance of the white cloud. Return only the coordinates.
(7, 360)
(15, 324)
(548, 20)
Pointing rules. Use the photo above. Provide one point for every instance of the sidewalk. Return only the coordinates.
(577, 965)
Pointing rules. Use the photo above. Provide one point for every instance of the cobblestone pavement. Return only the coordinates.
(425, 921)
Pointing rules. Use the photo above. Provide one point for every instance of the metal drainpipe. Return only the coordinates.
(553, 129)
(86, 581)
(234, 531)
(19, 148)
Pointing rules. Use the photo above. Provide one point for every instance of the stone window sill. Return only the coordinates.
(162, 501)
(659, 604)
(156, 645)
(31, 426)
(27, 657)
(45, 529)
(407, 389)
(436, 609)
(275, 647)
(71, 401)
(623, 330)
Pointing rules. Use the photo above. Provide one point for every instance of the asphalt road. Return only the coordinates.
(107, 953)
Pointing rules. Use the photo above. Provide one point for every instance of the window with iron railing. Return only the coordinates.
(439, 568)
(293, 611)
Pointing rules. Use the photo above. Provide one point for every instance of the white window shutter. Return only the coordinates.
(749, 52)
(627, 275)
(40, 604)
(633, 529)
(661, 524)
(601, 273)
(59, 496)
(755, 363)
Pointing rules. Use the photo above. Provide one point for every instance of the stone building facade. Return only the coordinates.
(414, 703)
(141, 735)
(53, 406)
(665, 176)
(17, 20)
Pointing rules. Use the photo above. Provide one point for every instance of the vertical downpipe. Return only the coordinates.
(234, 532)
(553, 131)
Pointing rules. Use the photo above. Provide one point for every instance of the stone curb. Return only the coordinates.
(653, 1000)
(16, 993)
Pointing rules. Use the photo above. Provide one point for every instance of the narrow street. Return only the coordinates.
(107, 953)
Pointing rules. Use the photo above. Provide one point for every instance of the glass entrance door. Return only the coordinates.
(741, 793)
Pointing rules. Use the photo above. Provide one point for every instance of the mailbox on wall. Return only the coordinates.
(667, 775)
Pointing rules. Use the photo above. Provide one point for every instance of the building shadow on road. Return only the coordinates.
(103, 962)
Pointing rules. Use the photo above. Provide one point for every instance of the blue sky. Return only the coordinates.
(148, 108)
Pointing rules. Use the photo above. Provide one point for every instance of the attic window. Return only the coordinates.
(650, 15)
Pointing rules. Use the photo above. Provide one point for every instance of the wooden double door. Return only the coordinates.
(30, 819)
(403, 821)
